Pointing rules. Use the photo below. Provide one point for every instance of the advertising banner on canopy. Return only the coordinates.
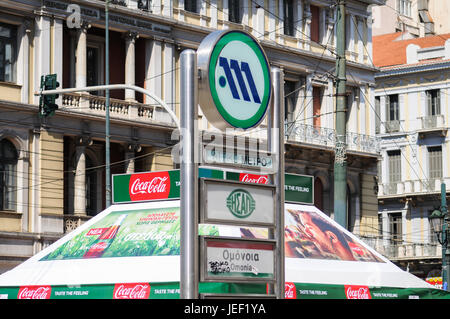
(128, 233)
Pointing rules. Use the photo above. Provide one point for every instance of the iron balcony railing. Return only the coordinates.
(399, 250)
(323, 136)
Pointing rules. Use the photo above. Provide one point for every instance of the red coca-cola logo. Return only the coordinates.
(356, 249)
(254, 178)
(149, 186)
(357, 292)
(289, 290)
(34, 292)
(99, 246)
(131, 291)
(96, 231)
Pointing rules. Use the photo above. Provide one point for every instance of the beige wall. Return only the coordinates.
(440, 11)
(369, 207)
(10, 92)
(52, 173)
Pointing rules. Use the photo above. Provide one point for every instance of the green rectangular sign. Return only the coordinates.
(162, 185)
(298, 188)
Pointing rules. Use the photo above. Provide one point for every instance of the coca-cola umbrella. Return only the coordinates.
(132, 251)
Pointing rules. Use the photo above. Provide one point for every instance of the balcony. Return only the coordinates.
(323, 136)
(397, 251)
(119, 109)
(72, 222)
(411, 187)
(432, 125)
(392, 126)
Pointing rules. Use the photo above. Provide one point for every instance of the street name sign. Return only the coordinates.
(235, 84)
(237, 260)
(244, 159)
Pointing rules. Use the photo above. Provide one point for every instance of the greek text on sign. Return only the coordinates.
(215, 155)
(231, 258)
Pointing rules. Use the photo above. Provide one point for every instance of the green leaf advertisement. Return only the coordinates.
(145, 232)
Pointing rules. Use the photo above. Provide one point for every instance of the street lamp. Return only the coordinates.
(439, 220)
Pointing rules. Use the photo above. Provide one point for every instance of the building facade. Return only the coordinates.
(413, 18)
(53, 168)
(411, 98)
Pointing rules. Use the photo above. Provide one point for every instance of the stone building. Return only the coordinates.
(411, 99)
(53, 168)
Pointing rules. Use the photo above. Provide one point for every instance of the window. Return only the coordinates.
(144, 5)
(433, 102)
(91, 187)
(377, 115)
(290, 97)
(395, 170)
(288, 11)
(380, 225)
(191, 6)
(92, 67)
(395, 227)
(435, 162)
(318, 193)
(392, 113)
(8, 163)
(379, 171)
(234, 11)
(315, 23)
(95, 63)
(316, 105)
(404, 7)
(431, 234)
(8, 42)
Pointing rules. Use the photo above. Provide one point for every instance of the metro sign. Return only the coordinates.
(235, 84)
(242, 85)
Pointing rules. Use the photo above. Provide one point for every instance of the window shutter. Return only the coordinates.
(388, 111)
(438, 102)
(423, 107)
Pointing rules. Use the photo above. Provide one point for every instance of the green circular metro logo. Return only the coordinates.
(241, 203)
(237, 89)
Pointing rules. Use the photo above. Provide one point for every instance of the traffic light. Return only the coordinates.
(47, 103)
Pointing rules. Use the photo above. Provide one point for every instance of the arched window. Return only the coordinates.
(318, 193)
(8, 176)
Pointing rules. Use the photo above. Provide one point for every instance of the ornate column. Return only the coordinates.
(130, 62)
(79, 202)
(81, 55)
(307, 17)
(359, 38)
(298, 31)
(308, 102)
(130, 155)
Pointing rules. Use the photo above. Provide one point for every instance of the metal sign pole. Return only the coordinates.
(188, 177)
(277, 145)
